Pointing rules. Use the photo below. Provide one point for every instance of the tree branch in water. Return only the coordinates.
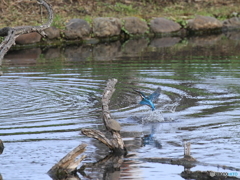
(115, 144)
(68, 164)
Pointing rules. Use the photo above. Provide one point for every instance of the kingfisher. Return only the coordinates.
(148, 100)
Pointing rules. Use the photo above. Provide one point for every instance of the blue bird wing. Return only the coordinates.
(143, 102)
(155, 94)
(140, 93)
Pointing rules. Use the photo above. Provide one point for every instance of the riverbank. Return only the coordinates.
(18, 13)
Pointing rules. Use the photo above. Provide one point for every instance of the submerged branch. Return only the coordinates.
(188, 162)
(1, 147)
(109, 167)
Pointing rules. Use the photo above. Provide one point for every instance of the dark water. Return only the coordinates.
(48, 94)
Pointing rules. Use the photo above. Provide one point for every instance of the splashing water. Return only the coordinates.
(154, 116)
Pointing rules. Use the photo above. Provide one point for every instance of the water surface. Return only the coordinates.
(48, 95)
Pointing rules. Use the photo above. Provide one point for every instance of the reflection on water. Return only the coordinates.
(48, 95)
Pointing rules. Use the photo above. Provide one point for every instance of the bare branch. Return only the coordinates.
(92, 133)
(116, 143)
(7, 43)
(12, 33)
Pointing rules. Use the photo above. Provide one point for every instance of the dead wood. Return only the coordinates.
(12, 33)
(68, 164)
(115, 144)
(92, 133)
(187, 161)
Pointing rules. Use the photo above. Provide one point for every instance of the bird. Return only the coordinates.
(148, 100)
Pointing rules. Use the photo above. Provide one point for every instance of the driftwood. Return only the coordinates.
(115, 144)
(68, 164)
(12, 33)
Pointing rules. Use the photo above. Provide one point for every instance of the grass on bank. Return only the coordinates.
(16, 13)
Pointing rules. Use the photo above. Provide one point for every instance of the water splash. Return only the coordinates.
(154, 116)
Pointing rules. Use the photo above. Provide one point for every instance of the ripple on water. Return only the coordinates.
(42, 113)
(32, 106)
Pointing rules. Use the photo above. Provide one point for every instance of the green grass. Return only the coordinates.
(124, 9)
(16, 13)
(58, 22)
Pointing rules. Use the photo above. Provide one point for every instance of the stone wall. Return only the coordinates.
(114, 28)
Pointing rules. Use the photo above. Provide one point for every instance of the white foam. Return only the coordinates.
(154, 116)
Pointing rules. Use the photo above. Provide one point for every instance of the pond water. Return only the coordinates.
(49, 94)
